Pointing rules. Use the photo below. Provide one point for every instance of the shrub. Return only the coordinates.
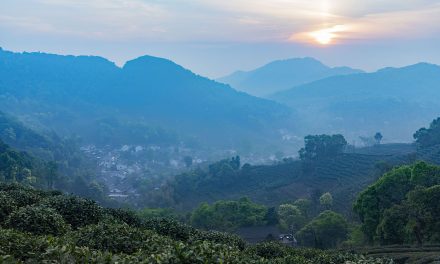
(119, 238)
(76, 211)
(124, 215)
(219, 238)
(169, 227)
(23, 197)
(268, 250)
(21, 245)
(327, 230)
(39, 220)
(7, 206)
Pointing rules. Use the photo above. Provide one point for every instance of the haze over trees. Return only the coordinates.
(429, 136)
(80, 94)
(398, 101)
(186, 152)
(321, 146)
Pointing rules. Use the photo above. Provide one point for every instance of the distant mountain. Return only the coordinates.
(396, 101)
(281, 75)
(74, 94)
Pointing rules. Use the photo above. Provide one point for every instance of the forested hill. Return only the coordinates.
(343, 175)
(326, 164)
(395, 101)
(281, 75)
(68, 94)
(44, 160)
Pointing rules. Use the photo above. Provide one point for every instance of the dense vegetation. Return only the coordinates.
(397, 101)
(322, 146)
(402, 206)
(427, 137)
(76, 95)
(51, 227)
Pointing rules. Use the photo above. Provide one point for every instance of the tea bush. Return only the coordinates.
(39, 220)
(76, 211)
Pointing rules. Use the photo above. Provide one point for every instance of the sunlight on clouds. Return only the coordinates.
(325, 22)
(325, 36)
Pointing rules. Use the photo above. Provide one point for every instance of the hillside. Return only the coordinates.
(40, 226)
(68, 94)
(281, 75)
(395, 101)
(344, 176)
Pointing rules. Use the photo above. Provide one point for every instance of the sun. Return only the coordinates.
(323, 37)
(327, 36)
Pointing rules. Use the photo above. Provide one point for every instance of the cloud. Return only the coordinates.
(219, 20)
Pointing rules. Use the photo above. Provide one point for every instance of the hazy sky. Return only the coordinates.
(216, 37)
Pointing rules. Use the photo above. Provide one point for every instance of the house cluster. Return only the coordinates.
(115, 164)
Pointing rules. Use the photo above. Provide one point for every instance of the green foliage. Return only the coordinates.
(21, 245)
(305, 206)
(322, 146)
(429, 136)
(218, 238)
(127, 216)
(148, 213)
(169, 227)
(269, 250)
(271, 217)
(118, 238)
(356, 237)
(424, 214)
(76, 211)
(391, 229)
(399, 208)
(15, 166)
(327, 230)
(228, 215)
(290, 217)
(326, 200)
(7, 206)
(39, 220)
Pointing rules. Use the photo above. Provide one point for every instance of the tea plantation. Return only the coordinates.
(49, 227)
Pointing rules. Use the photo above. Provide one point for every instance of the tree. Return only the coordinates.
(229, 215)
(322, 146)
(51, 169)
(402, 206)
(429, 136)
(188, 161)
(290, 217)
(327, 230)
(305, 206)
(326, 201)
(235, 163)
(378, 137)
(271, 217)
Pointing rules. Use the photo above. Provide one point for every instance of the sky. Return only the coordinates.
(216, 37)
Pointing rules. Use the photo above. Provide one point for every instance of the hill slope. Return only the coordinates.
(395, 101)
(344, 176)
(281, 75)
(40, 226)
(69, 94)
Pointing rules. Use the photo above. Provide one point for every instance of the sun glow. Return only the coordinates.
(328, 35)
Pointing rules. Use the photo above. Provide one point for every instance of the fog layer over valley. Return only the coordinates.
(292, 156)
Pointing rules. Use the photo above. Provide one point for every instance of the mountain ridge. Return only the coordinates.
(282, 74)
(393, 100)
(80, 89)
